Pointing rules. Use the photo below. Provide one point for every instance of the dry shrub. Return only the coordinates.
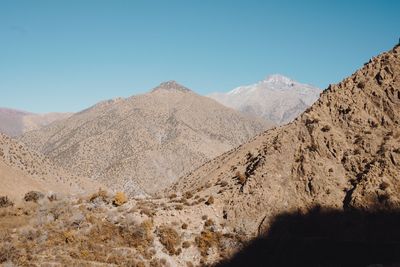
(184, 226)
(170, 238)
(120, 199)
(101, 195)
(200, 200)
(7, 252)
(157, 262)
(241, 177)
(147, 211)
(188, 195)
(326, 128)
(5, 202)
(210, 200)
(33, 196)
(384, 185)
(172, 196)
(224, 183)
(206, 240)
(209, 223)
(69, 237)
(140, 237)
(185, 244)
(52, 197)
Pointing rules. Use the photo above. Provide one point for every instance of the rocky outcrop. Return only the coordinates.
(342, 153)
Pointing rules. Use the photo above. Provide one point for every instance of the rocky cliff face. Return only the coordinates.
(144, 143)
(343, 153)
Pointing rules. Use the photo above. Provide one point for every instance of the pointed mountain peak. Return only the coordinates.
(279, 79)
(171, 86)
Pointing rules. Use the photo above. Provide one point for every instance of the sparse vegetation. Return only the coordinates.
(384, 185)
(99, 195)
(120, 199)
(185, 244)
(188, 195)
(326, 128)
(241, 177)
(5, 202)
(33, 196)
(206, 240)
(209, 223)
(170, 238)
(210, 201)
(223, 183)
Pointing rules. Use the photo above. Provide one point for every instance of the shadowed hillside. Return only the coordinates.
(325, 238)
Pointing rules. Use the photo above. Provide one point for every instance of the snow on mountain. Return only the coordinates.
(277, 98)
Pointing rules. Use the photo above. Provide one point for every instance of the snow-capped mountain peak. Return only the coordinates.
(277, 98)
(279, 79)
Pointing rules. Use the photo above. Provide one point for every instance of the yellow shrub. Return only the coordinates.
(120, 199)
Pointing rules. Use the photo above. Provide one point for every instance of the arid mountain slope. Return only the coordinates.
(15, 122)
(277, 98)
(343, 152)
(145, 142)
(22, 170)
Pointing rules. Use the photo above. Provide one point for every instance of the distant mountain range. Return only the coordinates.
(144, 143)
(15, 122)
(277, 98)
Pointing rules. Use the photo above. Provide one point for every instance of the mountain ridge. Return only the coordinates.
(277, 98)
(341, 153)
(16, 122)
(23, 170)
(156, 136)
(313, 188)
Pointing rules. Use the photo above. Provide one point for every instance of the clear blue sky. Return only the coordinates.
(67, 55)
